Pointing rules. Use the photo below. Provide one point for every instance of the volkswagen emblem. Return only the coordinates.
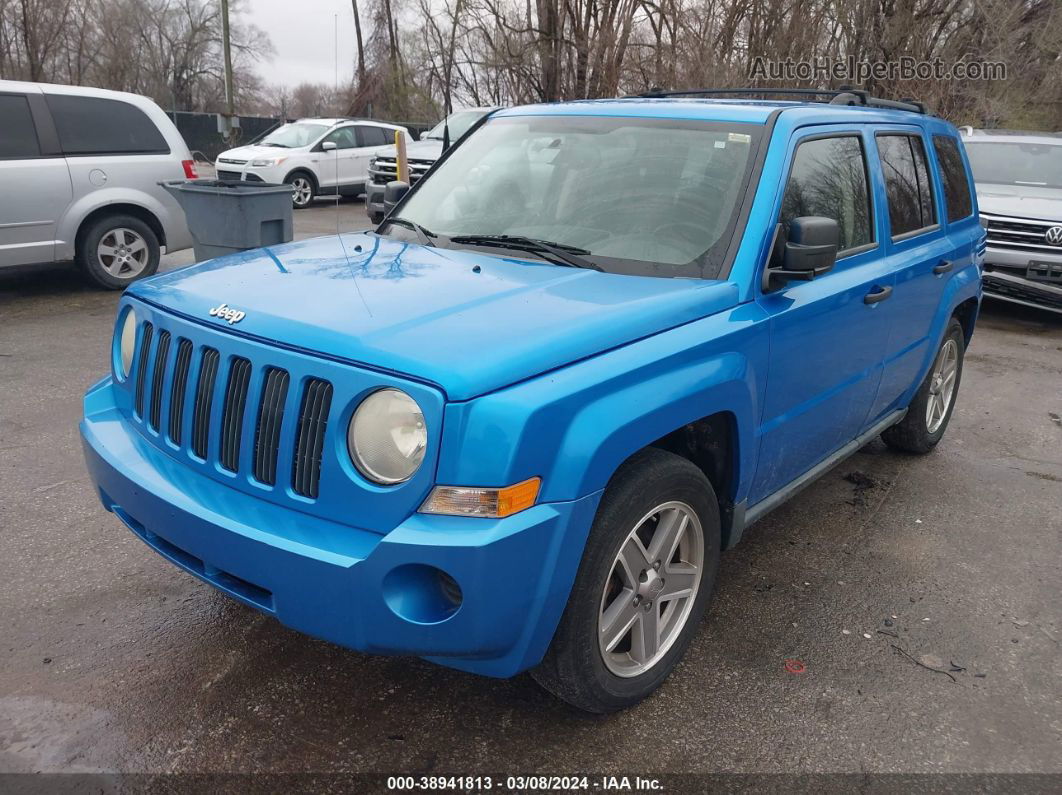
(1054, 236)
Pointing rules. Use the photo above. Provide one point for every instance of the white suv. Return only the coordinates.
(296, 154)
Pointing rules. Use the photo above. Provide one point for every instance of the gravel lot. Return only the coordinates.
(115, 660)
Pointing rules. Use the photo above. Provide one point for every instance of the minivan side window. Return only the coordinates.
(908, 186)
(18, 134)
(956, 179)
(829, 178)
(95, 126)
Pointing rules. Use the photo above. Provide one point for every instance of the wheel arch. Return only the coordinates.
(966, 314)
(120, 208)
(308, 173)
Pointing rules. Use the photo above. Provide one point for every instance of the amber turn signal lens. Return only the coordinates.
(487, 503)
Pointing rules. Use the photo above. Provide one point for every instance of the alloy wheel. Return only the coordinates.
(942, 385)
(123, 253)
(301, 191)
(651, 589)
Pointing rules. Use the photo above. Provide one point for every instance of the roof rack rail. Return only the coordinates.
(845, 95)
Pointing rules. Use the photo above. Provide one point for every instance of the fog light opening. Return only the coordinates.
(421, 594)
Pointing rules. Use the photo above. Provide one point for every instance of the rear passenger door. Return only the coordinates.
(371, 140)
(36, 184)
(921, 255)
(828, 335)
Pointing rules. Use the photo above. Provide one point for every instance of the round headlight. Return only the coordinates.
(126, 344)
(387, 437)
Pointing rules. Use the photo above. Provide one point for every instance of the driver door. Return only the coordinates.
(337, 168)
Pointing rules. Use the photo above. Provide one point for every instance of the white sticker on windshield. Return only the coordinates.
(739, 138)
(720, 144)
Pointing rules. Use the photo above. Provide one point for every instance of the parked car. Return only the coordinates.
(297, 154)
(514, 428)
(1019, 189)
(80, 169)
(422, 154)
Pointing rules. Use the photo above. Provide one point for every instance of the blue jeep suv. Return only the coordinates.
(514, 426)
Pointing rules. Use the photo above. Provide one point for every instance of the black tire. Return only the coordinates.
(912, 434)
(574, 668)
(103, 268)
(304, 179)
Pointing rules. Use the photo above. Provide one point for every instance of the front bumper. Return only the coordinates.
(340, 583)
(1005, 277)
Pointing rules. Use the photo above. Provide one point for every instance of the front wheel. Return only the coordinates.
(642, 588)
(302, 190)
(930, 412)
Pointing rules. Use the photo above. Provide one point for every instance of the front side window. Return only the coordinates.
(18, 134)
(829, 178)
(458, 124)
(1035, 165)
(635, 195)
(96, 126)
(956, 181)
(343, 138)
(294, 135)
(907, 183)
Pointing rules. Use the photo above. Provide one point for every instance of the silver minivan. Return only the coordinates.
(79, 174)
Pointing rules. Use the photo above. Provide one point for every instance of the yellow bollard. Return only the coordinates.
(403, 163)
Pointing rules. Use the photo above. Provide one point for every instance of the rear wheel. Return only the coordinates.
(116, 250)
(930, 412)
(642, 588)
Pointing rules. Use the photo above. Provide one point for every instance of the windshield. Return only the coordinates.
(459, 123)
(290, 136)
(639, 196)
(1035, 165)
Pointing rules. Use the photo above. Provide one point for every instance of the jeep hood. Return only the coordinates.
(1044, 204)
(468, 322)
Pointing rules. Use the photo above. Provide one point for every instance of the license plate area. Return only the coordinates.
(1044, 272)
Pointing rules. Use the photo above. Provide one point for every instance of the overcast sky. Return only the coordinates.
(303, 36)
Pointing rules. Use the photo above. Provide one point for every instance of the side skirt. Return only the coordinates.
(745, 516)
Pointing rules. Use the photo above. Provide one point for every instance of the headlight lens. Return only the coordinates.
(387, 437)
(126, 344)
(268, 161)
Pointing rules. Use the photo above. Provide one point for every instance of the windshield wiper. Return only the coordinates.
(568, 255)
(424, 234)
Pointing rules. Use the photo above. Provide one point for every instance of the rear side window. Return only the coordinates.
(955, 177)
(18, 135)
(907, 183)
(829, 178)
(95, 126)
(374, 136)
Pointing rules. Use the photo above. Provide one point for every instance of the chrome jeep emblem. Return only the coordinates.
(1054, 236)
(226, 312)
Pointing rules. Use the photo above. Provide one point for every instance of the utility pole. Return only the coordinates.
(230, 99)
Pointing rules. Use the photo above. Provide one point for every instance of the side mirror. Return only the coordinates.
(393, 194)
(328, 146)
(810, 250)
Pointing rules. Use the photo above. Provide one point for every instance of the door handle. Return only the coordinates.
(877, 296)
(944, 266)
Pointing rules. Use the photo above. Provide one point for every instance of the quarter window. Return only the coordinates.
(955, 177)
(18, 135)
(908, 186)
(96, 126)
(829, 178)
